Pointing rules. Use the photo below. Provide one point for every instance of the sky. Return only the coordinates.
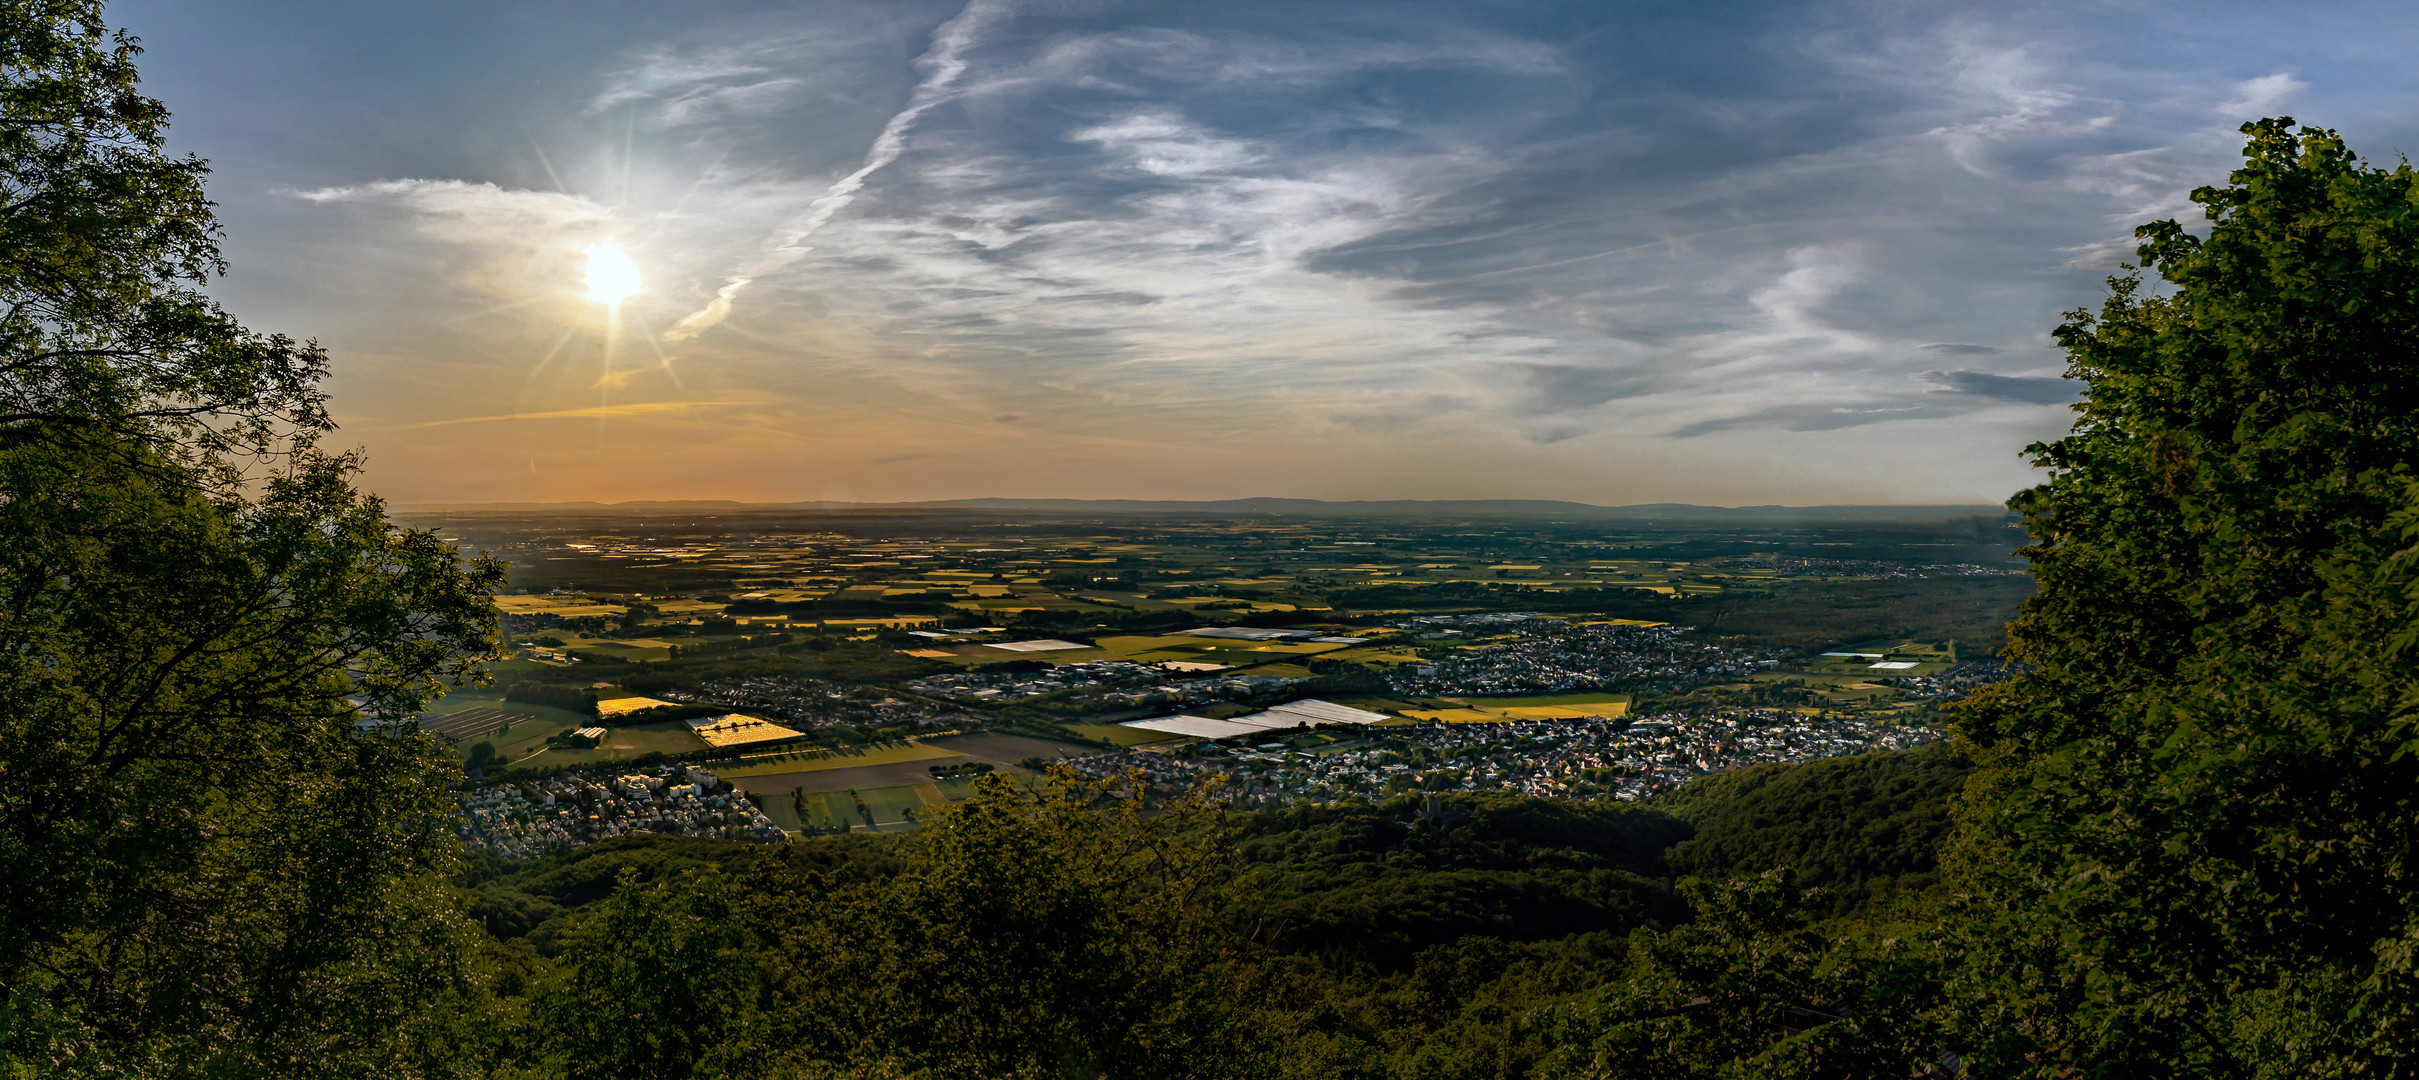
(1702, 252)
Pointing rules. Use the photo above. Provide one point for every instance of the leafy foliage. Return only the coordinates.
(2193, 827)
(219, 851)
(1856, 830)
(1063, 931)
(1371, 883)
(1752, 989)
(104, 239)
(1069, 932)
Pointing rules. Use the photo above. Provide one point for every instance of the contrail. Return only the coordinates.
(941, 64)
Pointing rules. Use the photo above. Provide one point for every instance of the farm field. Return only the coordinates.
(1001, 748)
(784, 813)
(634, 649)
(621, 744)
(1490, 710)
(566, 607)
(1885, 657)
(844, 758)
(818, 601)
(1553, 706)
(1457, 716)
(894, 805)
(860, 777)
(895, 808)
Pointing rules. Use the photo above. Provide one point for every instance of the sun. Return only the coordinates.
(612, 277)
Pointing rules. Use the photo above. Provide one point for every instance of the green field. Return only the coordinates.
(1370, 654)
(956, 788)
(634, 651)
(821, 814)
(892, 805)
(621, 744)
(777, 807)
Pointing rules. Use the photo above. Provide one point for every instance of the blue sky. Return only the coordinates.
(1695, 252)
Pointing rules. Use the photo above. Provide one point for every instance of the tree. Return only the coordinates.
(104, 242)
(661, 984)
(220, 838)
(1064, 930)
(1750, 988)
(2191, 837)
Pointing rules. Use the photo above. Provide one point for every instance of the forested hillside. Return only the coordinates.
(1857, 831)
(1417, 937)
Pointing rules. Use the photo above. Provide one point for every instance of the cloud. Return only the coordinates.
(1814, 418)
(2028, 390)
(1953, 348)
(461, 212)
(1161, 144)
(942, 64)
(1549, 388)
(2261, 97)
(636, 408)
(716, 310)
(1395, 411)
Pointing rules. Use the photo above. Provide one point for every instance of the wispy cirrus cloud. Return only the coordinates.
(464, 212)
(591, 412)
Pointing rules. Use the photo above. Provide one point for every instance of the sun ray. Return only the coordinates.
(548, 163)
(549, 357)
(497, 309)
(604, 381)
(647, 334)
(682, 203)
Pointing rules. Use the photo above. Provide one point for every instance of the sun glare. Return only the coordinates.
(612, 277)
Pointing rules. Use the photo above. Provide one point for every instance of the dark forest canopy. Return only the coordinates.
(1408, 938)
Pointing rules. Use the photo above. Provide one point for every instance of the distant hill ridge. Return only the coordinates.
(1276, 507)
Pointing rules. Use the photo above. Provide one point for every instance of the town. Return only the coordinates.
(537, 817)
(1592, 757)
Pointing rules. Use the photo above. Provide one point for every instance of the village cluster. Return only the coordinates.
(1583, 758)
(535, 817)
(1956, 682)
(1550, 656)
(809, 703)
(1111, 684)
